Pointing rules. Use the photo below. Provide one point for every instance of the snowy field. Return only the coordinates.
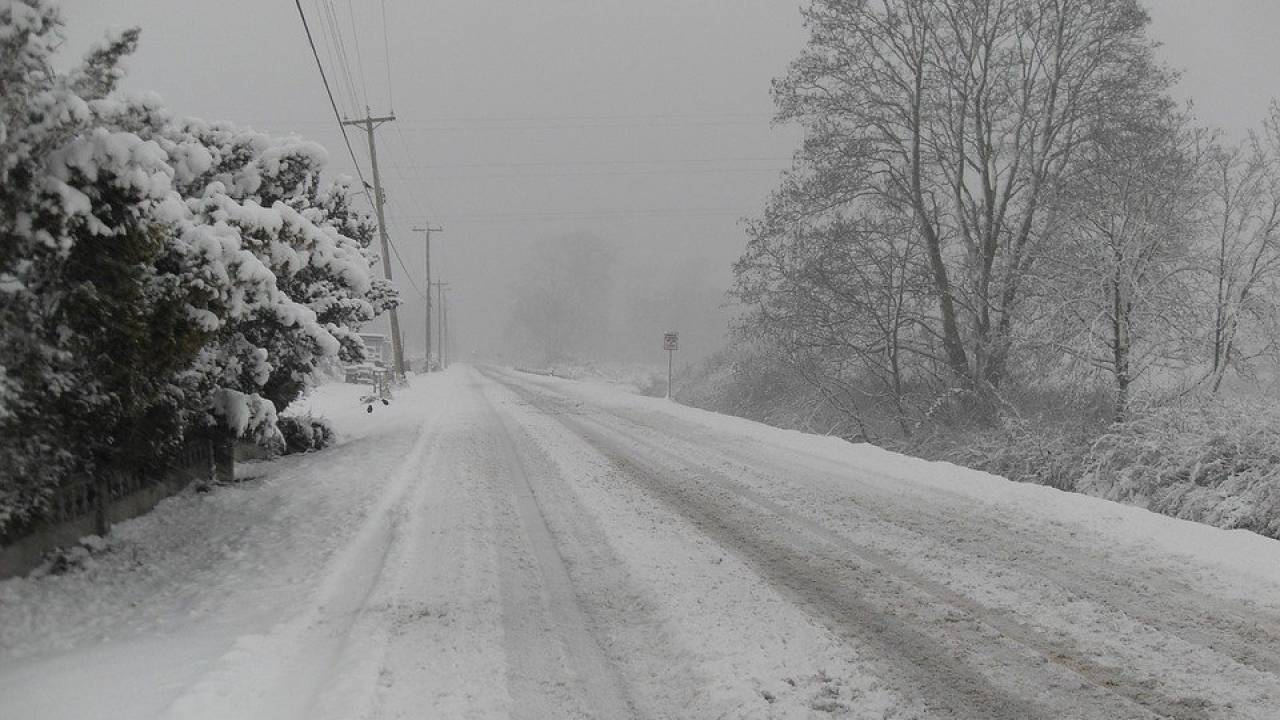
(498, 544)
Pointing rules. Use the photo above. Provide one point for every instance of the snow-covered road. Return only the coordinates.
(498, 545)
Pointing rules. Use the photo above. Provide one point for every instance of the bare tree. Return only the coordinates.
(969, 113)
(843, 300)
(1124, 269)
(1243, 248)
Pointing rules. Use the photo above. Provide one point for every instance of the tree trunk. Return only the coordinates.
(1120, 350)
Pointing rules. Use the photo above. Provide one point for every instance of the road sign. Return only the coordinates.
(670, 343)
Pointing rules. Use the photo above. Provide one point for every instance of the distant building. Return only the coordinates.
(378, 348)
(377, 359)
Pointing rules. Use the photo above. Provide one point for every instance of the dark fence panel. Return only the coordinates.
(89, 506)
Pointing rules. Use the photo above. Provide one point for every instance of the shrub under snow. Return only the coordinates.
(158, 275)
(305, 433)
(1218, 464)
(1207, 460)
(1204, 458)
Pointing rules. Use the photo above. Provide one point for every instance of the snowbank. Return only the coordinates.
(1236, 550)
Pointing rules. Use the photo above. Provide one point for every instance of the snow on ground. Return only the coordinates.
(180, 584)
(497, 544)
(1136, 602)
(1141, 530)
(638, 378)
(756, 654)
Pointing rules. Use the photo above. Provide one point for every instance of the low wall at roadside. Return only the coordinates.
(76, 507)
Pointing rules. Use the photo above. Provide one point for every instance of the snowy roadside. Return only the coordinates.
(635, 378)
(177, 586)
(496, 544)
(1148, 533)
(733, 646)
(1164, 615)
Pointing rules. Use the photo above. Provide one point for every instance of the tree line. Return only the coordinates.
(160, 277)
(996, 195)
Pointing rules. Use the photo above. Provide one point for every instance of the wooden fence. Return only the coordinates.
(89, 506)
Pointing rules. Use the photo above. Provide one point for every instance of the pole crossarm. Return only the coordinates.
(374, 121)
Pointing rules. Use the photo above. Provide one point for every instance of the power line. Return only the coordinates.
(386, 56)
(595, 174)
(336, 115)
(491, 124)
(412, 190)
(408, 276)
(585, 214)
(338, 50)
(400, 172)
(335, 39)
(475, 126)
(355, 39)
(330, 51)
(396, 219)
(595, 163)
(600, 118)
(335, 34)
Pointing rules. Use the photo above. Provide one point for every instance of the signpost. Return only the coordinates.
(670, 343)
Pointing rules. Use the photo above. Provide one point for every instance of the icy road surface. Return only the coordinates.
(500, 545)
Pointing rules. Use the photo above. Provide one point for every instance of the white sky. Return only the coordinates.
(645, 122)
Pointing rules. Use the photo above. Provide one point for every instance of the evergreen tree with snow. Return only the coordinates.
(158, 276)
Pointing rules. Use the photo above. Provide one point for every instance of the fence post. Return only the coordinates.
(101, 492)
(212, 470)
(224, 456)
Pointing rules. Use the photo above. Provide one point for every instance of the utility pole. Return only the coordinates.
(448, 333)
(440, 348)
(368, 122)
(670, 343)
(426, 232)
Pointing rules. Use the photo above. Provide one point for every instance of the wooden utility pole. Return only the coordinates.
(440, 349)
(670, 343)
(448, 335)
(426, 232)
(369, 123)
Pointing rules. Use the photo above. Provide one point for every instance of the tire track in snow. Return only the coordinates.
(693, 631)
(1247, 635)
(967, 617)
(537, 590)
(295, 670)
(1204, 652)
(821, 571)
(1241, 632)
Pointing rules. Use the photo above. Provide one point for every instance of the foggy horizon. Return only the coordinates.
(645, 125)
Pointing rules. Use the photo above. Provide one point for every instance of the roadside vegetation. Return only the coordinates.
(161, 278)
(1004, 244)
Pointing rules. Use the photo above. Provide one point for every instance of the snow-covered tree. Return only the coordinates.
(156, 275)
(970, 115)
(1241, 253)
(90, 330)
(1123, 273)
(271, 194)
